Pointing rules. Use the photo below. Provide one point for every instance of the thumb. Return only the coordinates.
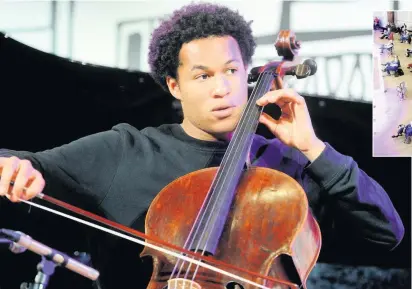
(269, 122)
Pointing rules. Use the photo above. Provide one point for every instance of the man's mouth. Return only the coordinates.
(223, 111)
(222, 107)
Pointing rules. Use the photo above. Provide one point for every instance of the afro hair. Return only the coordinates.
(191, 22)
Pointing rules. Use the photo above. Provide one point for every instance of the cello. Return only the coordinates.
(254, 220)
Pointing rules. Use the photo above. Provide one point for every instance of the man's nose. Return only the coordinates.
(222, 86)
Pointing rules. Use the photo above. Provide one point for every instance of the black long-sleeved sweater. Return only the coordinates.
(123, 169)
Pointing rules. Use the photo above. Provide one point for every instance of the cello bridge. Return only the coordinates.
(181, 283)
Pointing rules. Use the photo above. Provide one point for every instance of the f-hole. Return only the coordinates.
(234, 285)
(290, 269)
(284, 268)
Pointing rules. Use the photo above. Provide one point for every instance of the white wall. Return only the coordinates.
(402, 17)
(405, 5)
(95, 23)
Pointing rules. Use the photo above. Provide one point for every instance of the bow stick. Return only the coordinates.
(153, 239)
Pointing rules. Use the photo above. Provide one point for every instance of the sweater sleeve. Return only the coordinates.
(85, 166)
(357, 201)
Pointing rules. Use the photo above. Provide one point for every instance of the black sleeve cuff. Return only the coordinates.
(328, 166)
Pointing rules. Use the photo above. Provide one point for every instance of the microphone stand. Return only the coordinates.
(45, 270)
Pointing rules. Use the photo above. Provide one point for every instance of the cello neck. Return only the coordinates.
(239, 146)
(217, 205)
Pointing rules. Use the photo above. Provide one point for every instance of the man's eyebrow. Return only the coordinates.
(202, 67)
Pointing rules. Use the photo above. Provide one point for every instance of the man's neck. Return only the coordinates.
(199, 134)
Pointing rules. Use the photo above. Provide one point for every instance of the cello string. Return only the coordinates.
(205, 205)
(214, 183)
(247, 125)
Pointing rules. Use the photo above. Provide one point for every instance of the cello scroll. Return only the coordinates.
(288, 48)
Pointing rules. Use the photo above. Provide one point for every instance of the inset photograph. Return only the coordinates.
(392, 77)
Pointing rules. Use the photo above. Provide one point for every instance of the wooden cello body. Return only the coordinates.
(270, 229)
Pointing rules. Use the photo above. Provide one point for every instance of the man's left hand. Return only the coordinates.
(294, 127)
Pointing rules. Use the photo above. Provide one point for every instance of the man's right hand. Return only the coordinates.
(19, 180)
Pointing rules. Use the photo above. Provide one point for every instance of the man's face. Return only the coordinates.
(212, 85)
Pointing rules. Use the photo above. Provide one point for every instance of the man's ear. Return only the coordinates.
(173, 86)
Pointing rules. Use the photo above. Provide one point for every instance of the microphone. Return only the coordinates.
(14, 247)
(21, 242)
(17, 248)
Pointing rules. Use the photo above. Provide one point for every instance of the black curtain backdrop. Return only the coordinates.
(47, 101)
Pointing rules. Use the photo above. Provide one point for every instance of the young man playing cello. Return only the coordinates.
(201, 55)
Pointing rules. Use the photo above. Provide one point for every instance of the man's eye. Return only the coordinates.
(202, 76)
(232, 70)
